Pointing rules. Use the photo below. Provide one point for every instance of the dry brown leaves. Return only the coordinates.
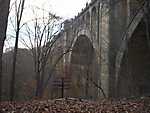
(71, 105)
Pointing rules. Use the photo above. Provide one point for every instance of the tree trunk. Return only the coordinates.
(1, 52)
(12, 83)
(18, 15)
(42, 78)
(4, 12)
(38, 79)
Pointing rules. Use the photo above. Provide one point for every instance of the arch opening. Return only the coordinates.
(88, 19)
(134, 75)
(84, 69)
(93, 23)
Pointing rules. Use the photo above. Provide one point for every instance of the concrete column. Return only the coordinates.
(104, 51)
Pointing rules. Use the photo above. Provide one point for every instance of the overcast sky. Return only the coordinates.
(64, 8)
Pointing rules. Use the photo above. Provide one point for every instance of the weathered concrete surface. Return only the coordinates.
(99, 38)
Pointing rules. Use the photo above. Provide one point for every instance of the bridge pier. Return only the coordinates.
(106, 27)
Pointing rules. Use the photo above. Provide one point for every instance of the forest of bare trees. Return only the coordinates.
(41, 38)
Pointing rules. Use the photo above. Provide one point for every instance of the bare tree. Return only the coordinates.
(19, 7)
(4, 12)
(44, 43)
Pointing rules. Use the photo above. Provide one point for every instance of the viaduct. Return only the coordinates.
(110, 46)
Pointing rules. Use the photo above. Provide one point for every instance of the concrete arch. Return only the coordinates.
(83, 19)
(94, 23)
(88, 19)
(84, 67)
(82, 32)
(94, 10)
(85, 39)
(127, 36)
(134, 79)
(93, 18)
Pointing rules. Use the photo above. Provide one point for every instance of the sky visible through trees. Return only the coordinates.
(63, 8)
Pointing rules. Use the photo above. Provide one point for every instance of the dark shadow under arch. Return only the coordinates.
(134, 75)
(84, 67)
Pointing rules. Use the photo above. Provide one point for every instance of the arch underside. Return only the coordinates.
(84, 69)
(134, 74)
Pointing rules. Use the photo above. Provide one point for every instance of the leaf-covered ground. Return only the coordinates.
(72, 105)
